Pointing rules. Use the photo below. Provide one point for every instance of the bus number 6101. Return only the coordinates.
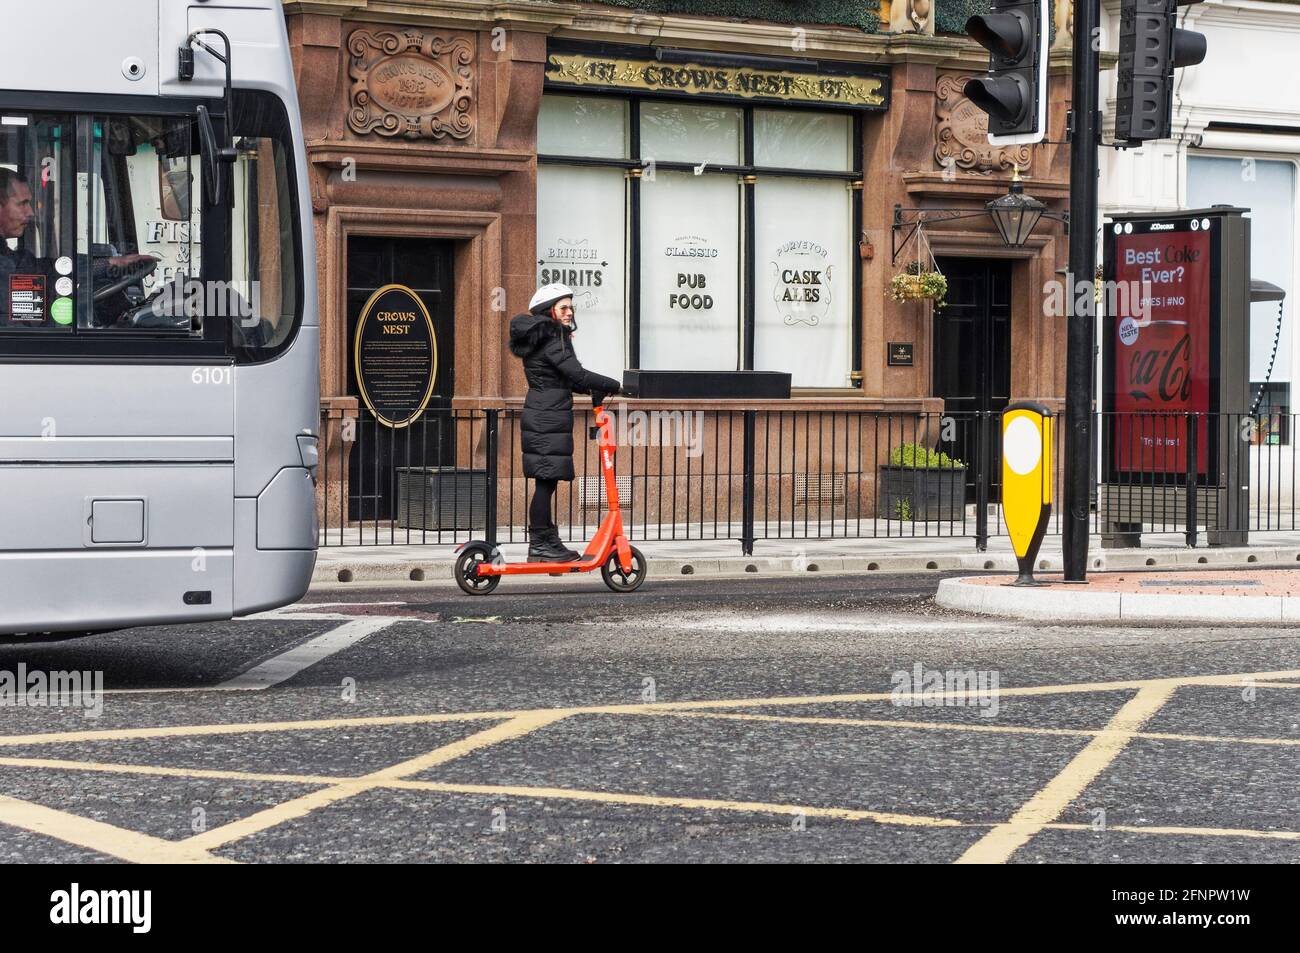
(211, 375)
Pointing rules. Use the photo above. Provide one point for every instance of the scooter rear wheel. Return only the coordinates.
(467, 577)
(620, 581)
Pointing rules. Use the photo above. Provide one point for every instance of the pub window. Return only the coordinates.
(690, 271)
(803, 139)
(716, 236)
(582, 220)
(581, 242)
(803, 306)
(583, 126)
(686, 132)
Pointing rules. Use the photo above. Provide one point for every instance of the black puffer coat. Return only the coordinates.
(553, 373)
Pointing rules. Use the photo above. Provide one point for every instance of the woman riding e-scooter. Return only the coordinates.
(542, 339)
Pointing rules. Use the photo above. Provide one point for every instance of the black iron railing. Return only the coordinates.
(752, 475)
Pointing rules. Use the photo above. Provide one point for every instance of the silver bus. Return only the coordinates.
(159, 341)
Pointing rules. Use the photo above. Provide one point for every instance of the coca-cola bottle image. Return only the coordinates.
(1159, 388)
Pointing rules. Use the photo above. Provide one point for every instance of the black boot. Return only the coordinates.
(570, 555)
(544, 547)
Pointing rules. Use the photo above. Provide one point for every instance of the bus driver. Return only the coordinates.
(16, 215)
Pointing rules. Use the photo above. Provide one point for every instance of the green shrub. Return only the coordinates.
(951, 15)
(917, 457)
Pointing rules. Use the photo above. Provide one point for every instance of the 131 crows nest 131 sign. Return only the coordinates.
(862, 90)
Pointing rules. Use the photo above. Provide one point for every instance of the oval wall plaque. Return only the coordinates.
(410, 83)
(395, 355)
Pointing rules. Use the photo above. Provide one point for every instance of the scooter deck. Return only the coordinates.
(586, 564)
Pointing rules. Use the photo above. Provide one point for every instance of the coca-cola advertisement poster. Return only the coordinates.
(1161, 346)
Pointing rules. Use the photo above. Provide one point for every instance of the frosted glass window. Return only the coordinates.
(799, 139)
(1268, 189)
(690, 264)
(592, 126)
(803, 296)
(581, 240)
(684, 132)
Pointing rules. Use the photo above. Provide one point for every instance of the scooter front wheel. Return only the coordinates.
(619, 580)
(467, 577)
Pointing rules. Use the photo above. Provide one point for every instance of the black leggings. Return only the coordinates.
(539, 511)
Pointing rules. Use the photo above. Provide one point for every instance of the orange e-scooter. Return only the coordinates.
(480, 566)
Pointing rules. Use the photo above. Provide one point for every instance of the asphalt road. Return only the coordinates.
(813, 718)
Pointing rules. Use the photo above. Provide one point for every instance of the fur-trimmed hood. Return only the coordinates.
(530, 331)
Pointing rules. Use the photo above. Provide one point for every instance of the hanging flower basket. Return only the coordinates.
(919, 284)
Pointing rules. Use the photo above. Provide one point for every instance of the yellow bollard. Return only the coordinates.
(1026, 481)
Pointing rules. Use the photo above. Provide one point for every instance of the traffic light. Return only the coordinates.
(1014, 93)
(1151, 47)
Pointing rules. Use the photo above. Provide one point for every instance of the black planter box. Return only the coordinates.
(938, 494)
(708, 385)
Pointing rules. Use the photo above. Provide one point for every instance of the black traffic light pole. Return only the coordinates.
(1014, 96)
(1085, 136)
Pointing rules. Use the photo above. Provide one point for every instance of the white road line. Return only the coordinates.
(288, 664)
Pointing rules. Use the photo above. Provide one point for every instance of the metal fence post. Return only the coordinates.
(491, 517)
(983, 448)
(747, 494)
(1190, 482)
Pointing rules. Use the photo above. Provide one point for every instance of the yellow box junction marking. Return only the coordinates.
(302, 806)
(100, 837)
(997, 845)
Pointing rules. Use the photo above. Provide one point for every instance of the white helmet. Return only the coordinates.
(547, 295)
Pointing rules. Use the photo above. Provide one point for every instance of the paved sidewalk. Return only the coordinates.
(433, 563)
(1195, 594)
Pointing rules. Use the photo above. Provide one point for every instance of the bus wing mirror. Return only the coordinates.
(216, 158)
(213, 172)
